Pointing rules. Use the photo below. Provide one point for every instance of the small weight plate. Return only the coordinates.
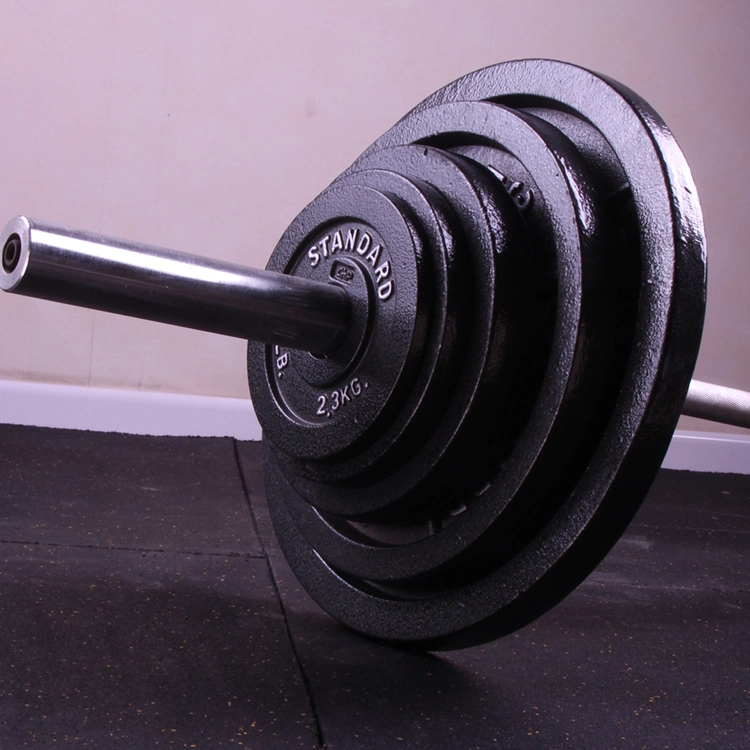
(445, 278)
(314, 408)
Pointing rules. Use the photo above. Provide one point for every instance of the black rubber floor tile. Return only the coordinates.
(367, 695)
(672, 558)
(697, 500)
(115, 649)
(650, 652)
(122, 491)
(621, 669)
(611, 667)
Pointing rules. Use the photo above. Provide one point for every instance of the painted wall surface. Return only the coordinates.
(206, 127)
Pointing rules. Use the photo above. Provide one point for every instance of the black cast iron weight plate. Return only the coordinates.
(556, 418)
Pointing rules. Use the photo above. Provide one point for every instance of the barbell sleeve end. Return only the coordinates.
(119, 276)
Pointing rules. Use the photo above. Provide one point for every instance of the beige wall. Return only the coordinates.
(206, 126)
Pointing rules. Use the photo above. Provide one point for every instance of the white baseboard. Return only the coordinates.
(709, 451)
(150, 413)
(134, 412)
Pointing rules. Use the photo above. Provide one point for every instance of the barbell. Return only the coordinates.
(468, 354)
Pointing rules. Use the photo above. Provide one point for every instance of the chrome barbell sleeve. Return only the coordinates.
(119, 276)
(718, 404)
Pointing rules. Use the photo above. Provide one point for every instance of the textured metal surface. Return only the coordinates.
(121, 276)
(365, 239)
(532, 470)
(718, 403)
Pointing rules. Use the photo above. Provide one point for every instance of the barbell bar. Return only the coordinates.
(718, 404)
(468, 354)
(128, 278)
(119, 276)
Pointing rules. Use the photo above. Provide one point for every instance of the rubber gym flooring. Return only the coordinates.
(144, 603)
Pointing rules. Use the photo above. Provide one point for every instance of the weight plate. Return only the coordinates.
(581, 324)
(443, 347)
(458, 594)
(495, 249)
(314, 407)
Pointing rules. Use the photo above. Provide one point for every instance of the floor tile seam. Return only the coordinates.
(657, 587)
(307, 686)
(701, 529)
(193, 553)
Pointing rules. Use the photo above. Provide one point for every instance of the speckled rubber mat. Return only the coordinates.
(143, 603)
